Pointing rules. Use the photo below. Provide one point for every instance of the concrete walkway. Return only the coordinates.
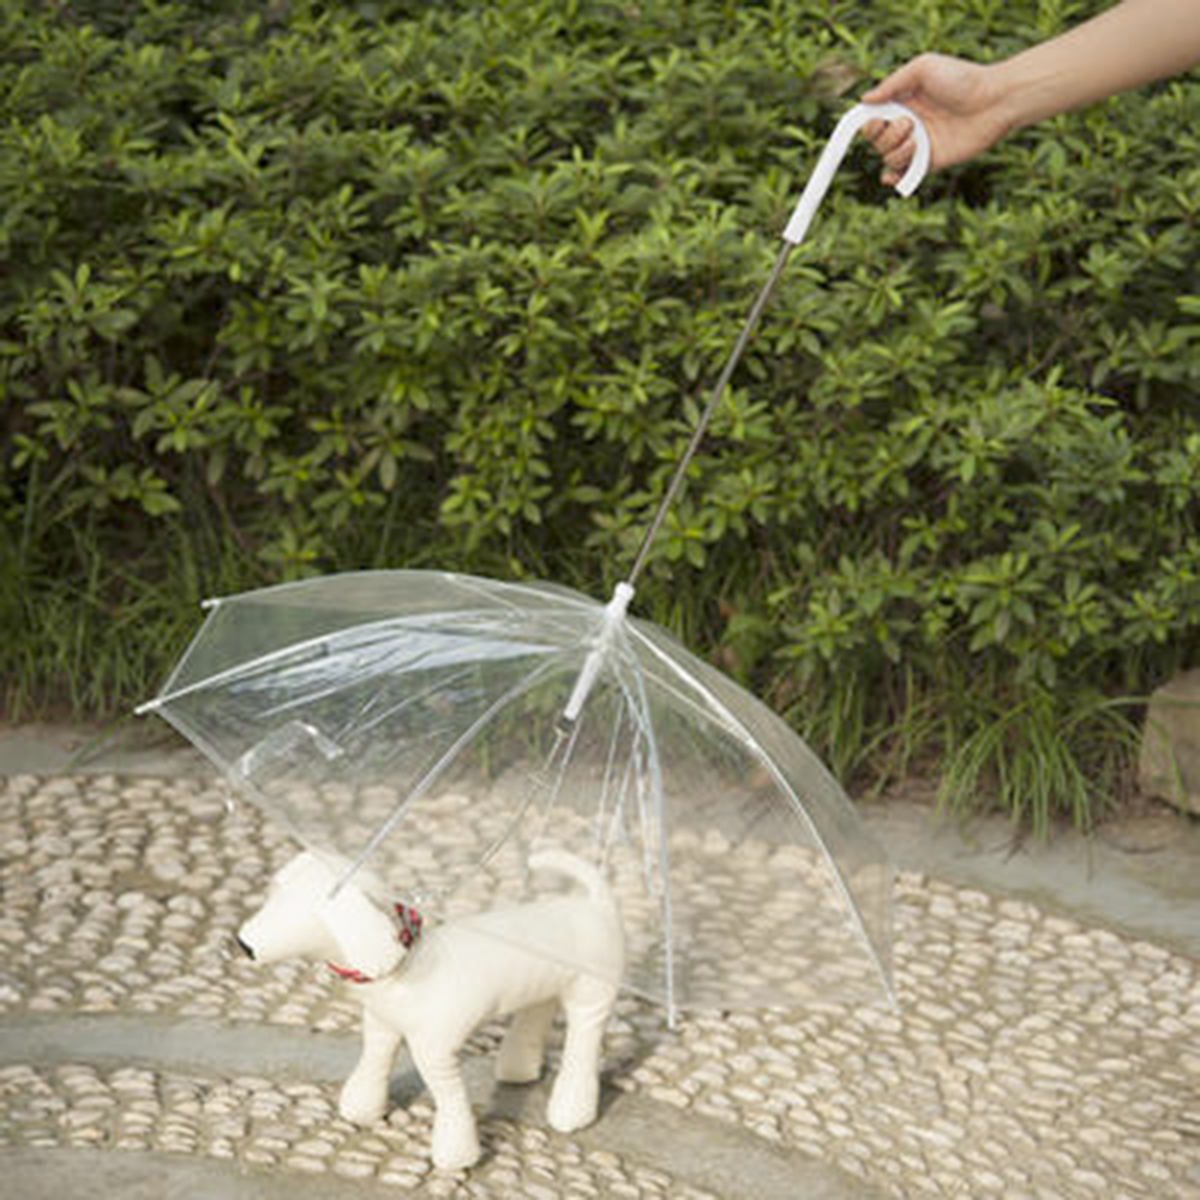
(1048, 1043)
(708, 1155)
(1140, 876)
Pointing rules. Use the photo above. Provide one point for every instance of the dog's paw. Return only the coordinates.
(574, 1103)
(455, 1145)
(360, 1106)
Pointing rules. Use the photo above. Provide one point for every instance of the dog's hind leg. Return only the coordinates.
(575, 1099)
(523, 1050)
(364, 1097)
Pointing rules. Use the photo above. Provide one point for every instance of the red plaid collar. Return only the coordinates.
(408, 931)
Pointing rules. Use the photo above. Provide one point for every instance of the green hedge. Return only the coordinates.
(338, 285)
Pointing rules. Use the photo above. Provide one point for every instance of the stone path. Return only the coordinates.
(1032, 1056)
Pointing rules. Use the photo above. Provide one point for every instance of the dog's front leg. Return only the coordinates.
(364, 1097)
(455, 1140)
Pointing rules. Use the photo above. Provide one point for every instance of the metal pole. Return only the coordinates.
(714, 399)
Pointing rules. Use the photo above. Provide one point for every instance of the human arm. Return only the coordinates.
(966, 106)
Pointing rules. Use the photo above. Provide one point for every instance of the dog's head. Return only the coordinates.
(302, 917)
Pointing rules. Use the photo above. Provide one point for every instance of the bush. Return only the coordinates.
(344, 285)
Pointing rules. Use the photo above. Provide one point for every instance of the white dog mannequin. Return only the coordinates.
(454, 978)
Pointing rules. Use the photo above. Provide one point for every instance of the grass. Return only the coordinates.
(91, 632)
(1038, 762)
(1041, 757)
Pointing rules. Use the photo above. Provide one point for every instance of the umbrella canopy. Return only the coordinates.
(433, 727)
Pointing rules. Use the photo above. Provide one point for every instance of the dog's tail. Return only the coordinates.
(563, 862)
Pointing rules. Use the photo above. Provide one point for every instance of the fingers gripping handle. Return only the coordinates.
(835, 151)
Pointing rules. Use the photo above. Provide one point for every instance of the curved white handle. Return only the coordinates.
(835, 151)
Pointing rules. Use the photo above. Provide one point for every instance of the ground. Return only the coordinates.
(1046, 1041)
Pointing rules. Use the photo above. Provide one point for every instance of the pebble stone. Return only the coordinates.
(1030, 1055)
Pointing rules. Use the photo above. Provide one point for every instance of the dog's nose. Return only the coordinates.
(248, 951)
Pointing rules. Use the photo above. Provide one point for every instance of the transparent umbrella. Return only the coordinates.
(438, 727)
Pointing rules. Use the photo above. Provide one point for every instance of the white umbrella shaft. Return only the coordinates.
(614, 614)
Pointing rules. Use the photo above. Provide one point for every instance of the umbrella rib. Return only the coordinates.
(498, 589)
(430, 777)
(664, 866)
(616, 819)
(477, 584)
(381, 667)
(469, 583)
(231, 674)
(548, 783)
(616, 822)
(393, 710)
(609, 770)
(781, 780)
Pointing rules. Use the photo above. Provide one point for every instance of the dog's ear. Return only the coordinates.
(366, 938)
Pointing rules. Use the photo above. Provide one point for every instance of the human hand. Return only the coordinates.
(961, 103)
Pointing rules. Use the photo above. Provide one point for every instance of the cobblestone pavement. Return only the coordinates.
(1032, 1056)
